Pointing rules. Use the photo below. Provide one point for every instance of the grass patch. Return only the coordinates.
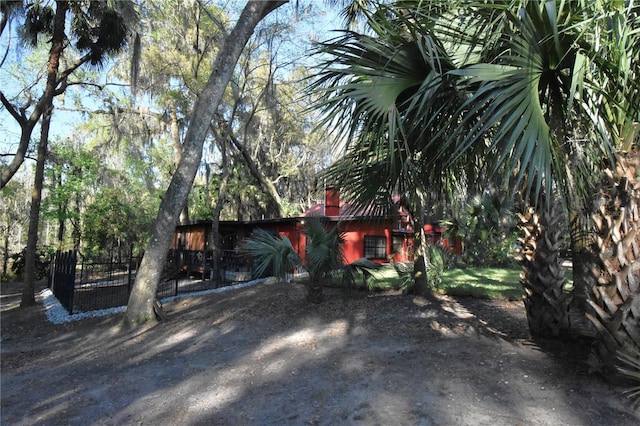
(495, 283)
(491, 283)
(484, 283)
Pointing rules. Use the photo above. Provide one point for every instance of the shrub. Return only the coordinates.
(437, 264)
(43, 260)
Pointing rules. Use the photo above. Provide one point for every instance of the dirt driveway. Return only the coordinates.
(261, 355)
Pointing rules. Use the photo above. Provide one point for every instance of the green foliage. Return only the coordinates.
(358, 272)
(438, 261)
(272, 255)
(324, 252)
(112, 222)
(275, 255)
(486, 227)
(43, 260)
(200, 203)
(405, 272)
(38, 22)
(437, 264)
(97, 28)
(14, 207)
(72, 173)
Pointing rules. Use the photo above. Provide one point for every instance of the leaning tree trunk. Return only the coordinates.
(615, 302)
(143, 295)
(543, 279)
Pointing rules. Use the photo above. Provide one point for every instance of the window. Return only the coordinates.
(375, 247)
(397, 243)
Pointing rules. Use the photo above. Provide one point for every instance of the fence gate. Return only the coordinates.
(63, 277)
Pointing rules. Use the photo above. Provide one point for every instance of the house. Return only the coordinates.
(379, 238)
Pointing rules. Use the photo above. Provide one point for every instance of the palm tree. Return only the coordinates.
(615, 299)
(566, 99)
(95, 32)
(275, 255)
(389, 96)
(438, 93)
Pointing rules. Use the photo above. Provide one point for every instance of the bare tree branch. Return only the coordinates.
(21, 119)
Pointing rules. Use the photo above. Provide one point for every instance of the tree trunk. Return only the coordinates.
(216, 245)
(28, 291)
(268, 188)
(177, 152)
(45, 103)
(62, 208)
(76, 233)
(140, 306)
(5, 252)
(543, 279)
(615, 303)
(582, 259)
(421, 285)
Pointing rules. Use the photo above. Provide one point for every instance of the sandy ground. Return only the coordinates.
(262, 355)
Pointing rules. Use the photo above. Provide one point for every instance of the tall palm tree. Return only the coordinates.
(567, 97)
(438, 91)
(96, 31)
(615, 302)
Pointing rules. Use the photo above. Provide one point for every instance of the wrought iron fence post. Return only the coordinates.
(72, 275)
(129, 273)
(179, 261)
(204, 263)
(52, 272)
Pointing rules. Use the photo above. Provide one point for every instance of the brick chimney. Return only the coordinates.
(332, 202)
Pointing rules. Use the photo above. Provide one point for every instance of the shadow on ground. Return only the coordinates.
(262, 355)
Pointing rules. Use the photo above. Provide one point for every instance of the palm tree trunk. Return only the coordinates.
(615, 303)
(543, 279)
(582, 259)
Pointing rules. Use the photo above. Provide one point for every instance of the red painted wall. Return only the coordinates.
(193, 237)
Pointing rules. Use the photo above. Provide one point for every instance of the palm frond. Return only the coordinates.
(324, 251)
(273, 255)
(630, 367)
(387, 95)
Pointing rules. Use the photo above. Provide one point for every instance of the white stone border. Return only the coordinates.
(59, 315)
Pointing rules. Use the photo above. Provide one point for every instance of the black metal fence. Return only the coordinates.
(94, 285)
(62, 277)
(104, 284)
